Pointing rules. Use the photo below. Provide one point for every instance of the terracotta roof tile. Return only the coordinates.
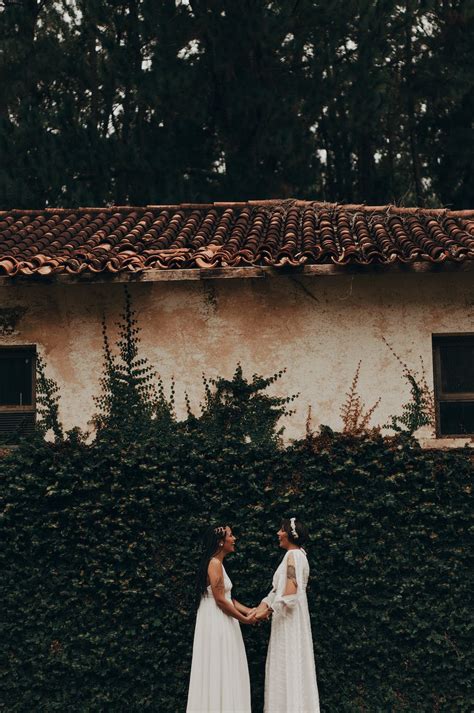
(256, 233)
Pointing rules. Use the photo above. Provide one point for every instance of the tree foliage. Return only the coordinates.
(101, 538)
(162, 102)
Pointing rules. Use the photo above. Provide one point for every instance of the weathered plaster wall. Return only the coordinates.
(317, 327)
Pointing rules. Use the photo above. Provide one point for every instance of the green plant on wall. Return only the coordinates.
(47, 402)
(419, 410)
(128, 392)
(242, 409)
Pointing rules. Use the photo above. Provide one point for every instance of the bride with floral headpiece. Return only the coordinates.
(290, 673)
(219, 681)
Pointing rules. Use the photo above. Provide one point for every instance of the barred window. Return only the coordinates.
(453, 360)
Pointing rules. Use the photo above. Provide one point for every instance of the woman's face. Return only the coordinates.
(283, 538)
(229, 541)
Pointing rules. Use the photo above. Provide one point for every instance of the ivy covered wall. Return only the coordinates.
(101, 535)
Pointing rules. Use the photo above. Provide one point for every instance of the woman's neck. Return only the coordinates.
(292, 546)
(220, 555)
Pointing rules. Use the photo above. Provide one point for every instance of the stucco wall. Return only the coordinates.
(317, 327)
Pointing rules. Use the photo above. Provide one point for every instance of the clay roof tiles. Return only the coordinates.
(273, 233)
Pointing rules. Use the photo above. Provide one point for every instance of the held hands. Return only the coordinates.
(249, 616)
(258, 614)
(263, 613)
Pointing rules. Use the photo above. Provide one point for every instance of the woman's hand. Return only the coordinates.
(261, 613)
(250, 617)
(242, 608)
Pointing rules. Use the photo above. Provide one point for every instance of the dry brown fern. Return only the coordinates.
(355, 417)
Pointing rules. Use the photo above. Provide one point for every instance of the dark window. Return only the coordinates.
(17, 391)
(453, 359)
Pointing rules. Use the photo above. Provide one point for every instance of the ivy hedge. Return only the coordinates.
(100, 540)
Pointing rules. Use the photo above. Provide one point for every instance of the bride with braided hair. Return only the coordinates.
(219, 681)
(290, 672)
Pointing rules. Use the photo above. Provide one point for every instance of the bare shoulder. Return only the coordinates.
(215, 573)
(214, 566)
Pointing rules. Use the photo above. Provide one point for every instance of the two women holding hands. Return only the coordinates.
(219, 673)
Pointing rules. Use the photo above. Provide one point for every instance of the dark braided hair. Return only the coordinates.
(212, 538)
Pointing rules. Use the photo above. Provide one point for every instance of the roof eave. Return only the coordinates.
(220, 273)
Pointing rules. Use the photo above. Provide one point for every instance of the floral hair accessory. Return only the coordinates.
(293, 527)
(219, 531)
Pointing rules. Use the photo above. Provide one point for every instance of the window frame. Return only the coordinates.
(438, 340)
(29, 349)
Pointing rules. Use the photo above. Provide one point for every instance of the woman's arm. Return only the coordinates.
(291, 585)
(241, 607)
(216, 580)
(287, 588)
(284, 598)
(263, 611)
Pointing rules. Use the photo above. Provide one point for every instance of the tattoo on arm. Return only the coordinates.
(219, 584)
(291, 574)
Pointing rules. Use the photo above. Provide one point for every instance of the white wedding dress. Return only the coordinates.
(290, 674)
(219, 680)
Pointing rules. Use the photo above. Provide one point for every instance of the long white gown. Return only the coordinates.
(219, 680)
(290, 673)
